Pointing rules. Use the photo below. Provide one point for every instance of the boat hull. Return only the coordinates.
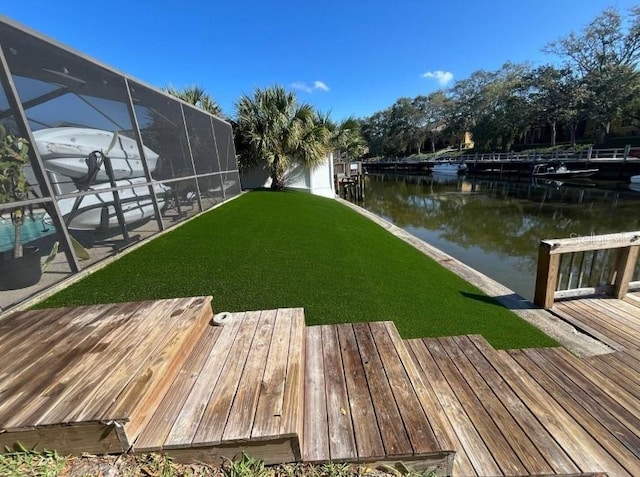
(97, 211)
(575, 174)
(635, 179)
(65, 150)
(449, 168)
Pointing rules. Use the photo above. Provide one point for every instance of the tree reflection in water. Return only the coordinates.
(496, 225)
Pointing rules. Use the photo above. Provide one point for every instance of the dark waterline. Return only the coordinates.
(495, 225)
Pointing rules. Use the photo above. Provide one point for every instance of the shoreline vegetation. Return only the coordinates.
(269, 250)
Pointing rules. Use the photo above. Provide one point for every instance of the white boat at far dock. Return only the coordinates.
(449, 167)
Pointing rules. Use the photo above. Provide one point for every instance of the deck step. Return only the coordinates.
(84, 379)
(242, 388)
(367, 402)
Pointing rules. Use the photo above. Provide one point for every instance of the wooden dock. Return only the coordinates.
(612, 321)
(156, 376)
(618, 163)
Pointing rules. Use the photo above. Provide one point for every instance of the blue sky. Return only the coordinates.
(347, 57)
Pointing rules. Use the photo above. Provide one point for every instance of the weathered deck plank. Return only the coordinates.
(430, 405)
(292, 423)
(366, 432)
(268, 419)
(316, 424)
(394, 435)
(238, 396)
(216, 413)
(342, 445)
(155, 433)
(413, 415)
(614, 322)
(186, 424)
(594, 415)
(492, 436)
(523, 448)
(554, 455)
(474, 447)
(584, 450)
(243, 409)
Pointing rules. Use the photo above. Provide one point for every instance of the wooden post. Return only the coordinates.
(546, 276)
(625, 265)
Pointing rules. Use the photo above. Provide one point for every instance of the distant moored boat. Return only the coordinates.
(550, 172)
(448, 167)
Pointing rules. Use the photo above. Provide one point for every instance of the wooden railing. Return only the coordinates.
(590, 154)
(580, 266)
(583, 155)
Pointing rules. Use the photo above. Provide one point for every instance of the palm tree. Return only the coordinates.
(197, 96)
(274, 128)
(348, 138)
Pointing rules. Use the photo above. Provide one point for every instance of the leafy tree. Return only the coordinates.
(434, 107)
(374, 130)
(492, 105)
(197, 96)
(554, 97)
(605, 54)
(466, 105)
(274, 128)
(405, 124)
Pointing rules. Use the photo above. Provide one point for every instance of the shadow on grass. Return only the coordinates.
(512, 301)
(482, 298)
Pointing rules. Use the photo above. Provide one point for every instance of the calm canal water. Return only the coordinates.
(495, 225)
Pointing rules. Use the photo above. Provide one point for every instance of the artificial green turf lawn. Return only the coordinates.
(289, 249)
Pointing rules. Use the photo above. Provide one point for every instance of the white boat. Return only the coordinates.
(65, 150)
(635, 179)
(97, 211)
(448, 167)
(560, 172)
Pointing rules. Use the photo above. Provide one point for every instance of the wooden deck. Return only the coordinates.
(241, 389)
(155, 376)
(612, 321)
(367, 402)
(531, 412)
(84, 379)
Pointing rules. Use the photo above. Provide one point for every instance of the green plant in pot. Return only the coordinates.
(19, 267)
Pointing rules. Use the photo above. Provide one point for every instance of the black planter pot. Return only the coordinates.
(20, 272)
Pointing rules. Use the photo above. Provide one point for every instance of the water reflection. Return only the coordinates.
(496, 225)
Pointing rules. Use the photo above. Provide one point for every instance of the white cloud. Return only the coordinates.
(320, 85)
(317, 85)
(302, 87)
(442, 77)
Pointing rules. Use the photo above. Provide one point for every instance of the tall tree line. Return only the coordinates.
(596, 79)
